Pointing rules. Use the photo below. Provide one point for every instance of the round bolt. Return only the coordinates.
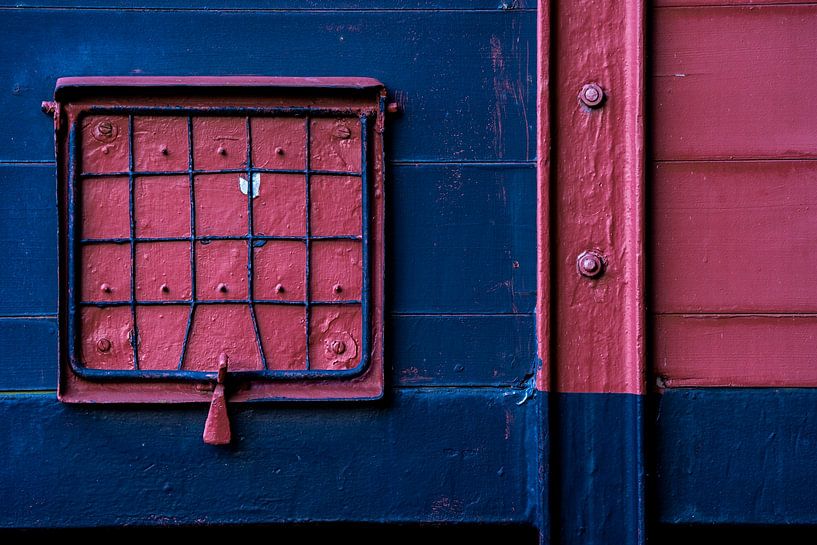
(279, 288)
(591, 95)
(106, 288)
(222, 150)
(590, 264)
(279, 151)
(165, 288)
(338, 347)
(337, 288)
(164, 150)
(222, 287)
(105, 128)
(105, 131)
(103, 345)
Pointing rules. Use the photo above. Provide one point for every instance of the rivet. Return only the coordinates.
(105, 128)
(165, 288)
(343, 132)
(222, 150)
(338, 347)
(337, 288)
(103, 345)
(106, 150)
(279, 151)
(105, 131)
(279, 288)
(590, 264)
(106, 288)
(222, 287)
(591, 95)
(164, 150)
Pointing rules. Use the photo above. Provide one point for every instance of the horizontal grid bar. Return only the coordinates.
(197, 172)
(188, 302)
(211, 238)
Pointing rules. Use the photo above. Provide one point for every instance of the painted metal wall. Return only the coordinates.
(450, 441)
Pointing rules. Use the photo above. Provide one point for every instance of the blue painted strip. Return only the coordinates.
(375, 462)
(736, 456)
(288, 5)
(28, 353)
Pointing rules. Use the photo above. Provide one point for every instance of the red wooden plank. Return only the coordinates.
(734, 237)
(734, 82)
(725, 350)
(702, 3)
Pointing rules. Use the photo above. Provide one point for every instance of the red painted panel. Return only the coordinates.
(336, 205)
(161, 206)
(283, 335)
(219, 143)
(221, 270)
(160, 143)
(734, 237)
(105, 144)
(280, 207)
(161, 335)
(279, 143)
(337, 270)
(335, 144)
(105, 203)
(222, 329)
(334, 340)
(163, 271)
(106, 272)
(280, 270)
(221, 207)
(773, 350)
(106, 338)
(732, 82)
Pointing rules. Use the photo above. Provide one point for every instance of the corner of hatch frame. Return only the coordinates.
(275, 269)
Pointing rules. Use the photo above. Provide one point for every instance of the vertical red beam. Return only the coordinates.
(543, 178)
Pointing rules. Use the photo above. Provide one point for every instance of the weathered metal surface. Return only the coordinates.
(247, 288)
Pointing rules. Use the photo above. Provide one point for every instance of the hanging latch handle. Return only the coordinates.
(217, 427)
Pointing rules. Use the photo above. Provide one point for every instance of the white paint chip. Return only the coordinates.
(243, 185)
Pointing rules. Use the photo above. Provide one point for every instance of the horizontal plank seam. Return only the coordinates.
(398, 163)
(416, 388)
(491, 11)
(29, 317)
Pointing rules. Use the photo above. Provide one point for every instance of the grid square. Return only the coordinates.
(336, 270)
(335, 337)
(279, 143)
(335, 144)
(219, 143)
(283, 335)
(279, 270)
(222, 329)
(336, 205)
(221, 270)
(105, 144)
(163, 271)
(106, 272)
(160, 143)
(106, 338)
(105, 208)
(162, 206)
(280, 207)
(161, 335)
(221, 207)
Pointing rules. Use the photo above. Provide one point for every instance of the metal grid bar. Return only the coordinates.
(248, 113)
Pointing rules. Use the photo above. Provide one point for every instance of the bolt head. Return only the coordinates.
(164, 288)
(105, 288)
(222, 287)
(279, 288)
(337, 288)
(338, 347)
(279, 151)
(590, 264)
(222, 150)
(103, 345)
(591, 95)
(105, 131)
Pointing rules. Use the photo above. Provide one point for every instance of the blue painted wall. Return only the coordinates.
(449, 442)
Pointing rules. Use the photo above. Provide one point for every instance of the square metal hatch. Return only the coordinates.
(220, 221)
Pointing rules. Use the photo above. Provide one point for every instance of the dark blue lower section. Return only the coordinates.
(736, 456)
(599, 469)
(440, 455)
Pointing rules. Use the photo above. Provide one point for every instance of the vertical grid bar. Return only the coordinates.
(251, 243)
(74, 166)
(191, 178)
(132, 216)
(364, 199)
(307, 274)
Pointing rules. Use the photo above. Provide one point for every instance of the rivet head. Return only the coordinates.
(590, 264)
(164, 288)
(163, 149)
(338, 347)
(337, 288)
(103, 345)
(222, 287)
(106, 150)
(279, 151)
(222, 150)
(279, 288)
(105, 131)
(591, 95)
(105, 288)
